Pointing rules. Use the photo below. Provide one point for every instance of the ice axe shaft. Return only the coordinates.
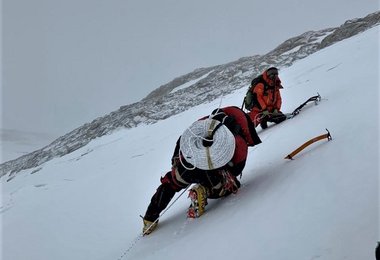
(313, 140)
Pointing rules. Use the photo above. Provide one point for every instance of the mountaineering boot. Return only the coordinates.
(230, 184)
(149, 226)
(198, 197)
(264, 124)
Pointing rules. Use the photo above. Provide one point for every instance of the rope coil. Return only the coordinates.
(213, 156)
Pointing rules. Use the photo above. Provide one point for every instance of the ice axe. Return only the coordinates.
(313, 140)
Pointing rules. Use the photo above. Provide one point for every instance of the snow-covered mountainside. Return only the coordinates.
(323, 205)
(207, 85)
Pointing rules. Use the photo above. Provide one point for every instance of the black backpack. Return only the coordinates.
(250, 99)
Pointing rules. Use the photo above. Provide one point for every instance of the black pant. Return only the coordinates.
(170, 185)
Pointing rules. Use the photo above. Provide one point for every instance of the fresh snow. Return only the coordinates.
(295, 49)
(190, 83)
(324, 204)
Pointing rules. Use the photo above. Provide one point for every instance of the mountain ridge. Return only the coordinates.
(163, 103)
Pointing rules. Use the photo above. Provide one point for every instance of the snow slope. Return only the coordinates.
(322, 205)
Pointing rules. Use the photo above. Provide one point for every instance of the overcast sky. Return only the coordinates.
(67, 62)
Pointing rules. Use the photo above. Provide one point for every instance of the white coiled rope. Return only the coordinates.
(218, 154)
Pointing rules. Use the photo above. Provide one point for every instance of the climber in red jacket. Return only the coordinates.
(211, 153)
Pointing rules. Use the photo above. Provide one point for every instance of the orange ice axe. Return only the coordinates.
(315, 139)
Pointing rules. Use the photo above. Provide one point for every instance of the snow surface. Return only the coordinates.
(322, 205)
(190, 83)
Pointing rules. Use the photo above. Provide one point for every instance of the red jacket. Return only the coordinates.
(242, 119)
(244, 132)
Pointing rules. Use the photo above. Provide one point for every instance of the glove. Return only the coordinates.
(277, 113)
(265, 113)
(149, 226)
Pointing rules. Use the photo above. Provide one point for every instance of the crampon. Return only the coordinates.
(198, 199)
